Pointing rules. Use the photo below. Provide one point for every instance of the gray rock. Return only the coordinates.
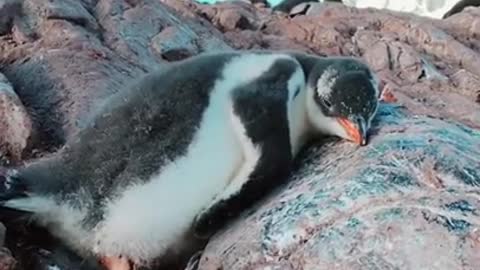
(173, 45)
(405, 201)
(8, 10)
(3, 231)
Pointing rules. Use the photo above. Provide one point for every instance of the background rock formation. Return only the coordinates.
(408, 200)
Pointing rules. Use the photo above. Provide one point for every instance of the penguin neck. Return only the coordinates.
(300, 128)
(318, 123)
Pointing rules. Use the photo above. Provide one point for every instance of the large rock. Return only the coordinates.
(408, 200)
(64, 57)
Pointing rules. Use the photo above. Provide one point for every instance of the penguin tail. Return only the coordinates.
(11, 187)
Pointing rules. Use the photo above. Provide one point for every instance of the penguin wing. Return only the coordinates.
(23, 183)
(260, 109)
(11, 187)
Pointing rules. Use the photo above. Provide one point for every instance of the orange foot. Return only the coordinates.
(117, 263)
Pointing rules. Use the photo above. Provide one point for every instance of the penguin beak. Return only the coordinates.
(356, 129)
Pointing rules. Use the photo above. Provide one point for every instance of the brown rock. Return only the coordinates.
(16, 131)
(228, 16)
(7, 262)
(65, 57)
(467, 84)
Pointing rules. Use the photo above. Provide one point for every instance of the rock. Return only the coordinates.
(3, 230)
(405, 200)
(348, 208)
(16, 129)
(7, 262)
(65, 57)
(327, 214)
(172, 45)
(228, 17)
(8, 10)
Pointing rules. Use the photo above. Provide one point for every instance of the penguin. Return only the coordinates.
(189, 148)
(287, 5)
(458, 7)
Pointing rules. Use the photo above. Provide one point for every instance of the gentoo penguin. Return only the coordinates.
(287, 5)
(190, 146)
(458, 7)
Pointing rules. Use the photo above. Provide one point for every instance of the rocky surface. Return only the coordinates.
(17, 131)
(408, 200)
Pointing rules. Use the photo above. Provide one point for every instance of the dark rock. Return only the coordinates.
(8, 10)
(3, 231)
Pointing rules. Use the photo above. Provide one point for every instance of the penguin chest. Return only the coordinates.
(146, 219)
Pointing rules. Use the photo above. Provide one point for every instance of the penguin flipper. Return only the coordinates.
(270, 171)
(260, 110)
(11, 188)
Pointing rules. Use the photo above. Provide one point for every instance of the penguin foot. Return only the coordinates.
(117, 263)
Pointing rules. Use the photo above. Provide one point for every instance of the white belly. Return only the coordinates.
(146, 219)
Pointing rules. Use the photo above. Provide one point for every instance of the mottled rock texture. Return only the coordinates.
(15, 124)
(409, 200)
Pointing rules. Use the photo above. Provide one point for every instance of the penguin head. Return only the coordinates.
(343, 99)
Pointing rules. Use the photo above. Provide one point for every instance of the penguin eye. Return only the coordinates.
(327, 104)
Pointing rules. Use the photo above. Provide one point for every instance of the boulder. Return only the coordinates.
(408, 200)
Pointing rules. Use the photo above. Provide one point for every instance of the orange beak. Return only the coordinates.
(356, 130)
